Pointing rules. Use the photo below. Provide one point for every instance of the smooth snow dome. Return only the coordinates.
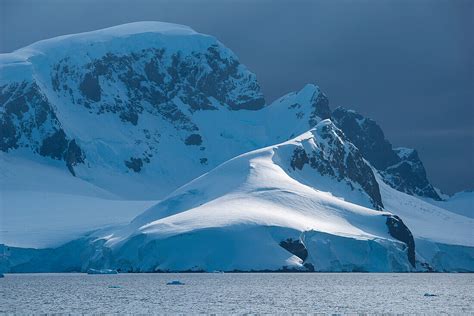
(119, 39)
(99, 36)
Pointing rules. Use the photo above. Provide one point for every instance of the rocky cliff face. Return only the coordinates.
(157, 81)
(331, 154)
(29, 121)
(408, 175)
(401, 168)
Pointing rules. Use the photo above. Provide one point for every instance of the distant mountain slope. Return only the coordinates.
(443, 239)
(461, 203)
(401, 168)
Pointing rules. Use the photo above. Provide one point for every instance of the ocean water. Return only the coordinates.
(238, 293)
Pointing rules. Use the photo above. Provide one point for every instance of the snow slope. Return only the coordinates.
(461, 203)
(236, 217)
(43, 206)
(426, 220)
(444, 239)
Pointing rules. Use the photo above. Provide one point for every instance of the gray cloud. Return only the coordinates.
(407, 64)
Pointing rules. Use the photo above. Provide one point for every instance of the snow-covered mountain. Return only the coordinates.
(401, 168)
(141, 109)
(97, 127)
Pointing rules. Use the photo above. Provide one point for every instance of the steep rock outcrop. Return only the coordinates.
(402, 168)
(331, 154)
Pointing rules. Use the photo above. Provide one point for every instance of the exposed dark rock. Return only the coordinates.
(336, 157)
(55, 145)
(193, 140)
(129, 117)
(321, 111)
(58, 147)
(8, 134)
(309, 267)
(134, 164)
(427, 267)
(299, 158)
(172, 114)
(26, 112)
(17, 106)
(153, 72)
(400, 231)
(73, 156)
(403, 172)
(41, 114)
(409, 175)
(367, 136)
(295, 247)
(90, 87)
(196, 99)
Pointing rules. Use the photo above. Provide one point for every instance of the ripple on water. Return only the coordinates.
(238, 293)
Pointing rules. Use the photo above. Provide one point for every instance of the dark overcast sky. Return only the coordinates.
(406, 63)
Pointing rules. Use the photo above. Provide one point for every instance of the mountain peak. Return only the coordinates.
(110, 33)
(400, 167)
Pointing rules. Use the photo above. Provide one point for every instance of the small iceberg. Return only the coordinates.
(217, 271)
(101, 271)
(429, 295)
(175, 283)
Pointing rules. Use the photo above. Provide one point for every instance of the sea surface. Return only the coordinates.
(238, 293)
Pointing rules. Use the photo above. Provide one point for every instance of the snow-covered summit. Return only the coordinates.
(102, 37)
(23, 63)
